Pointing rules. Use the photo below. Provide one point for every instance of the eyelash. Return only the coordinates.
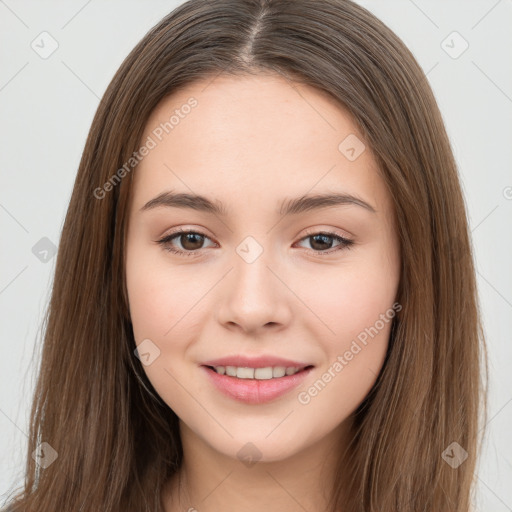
(345, 243)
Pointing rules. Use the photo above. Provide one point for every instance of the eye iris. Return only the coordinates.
(325, 240)
(191, 236)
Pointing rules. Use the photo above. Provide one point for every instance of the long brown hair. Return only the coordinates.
(117, 441)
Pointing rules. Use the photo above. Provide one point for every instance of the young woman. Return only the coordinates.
(264, 296)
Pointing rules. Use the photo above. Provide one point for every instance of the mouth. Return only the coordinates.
(255, 386)
(266, 373)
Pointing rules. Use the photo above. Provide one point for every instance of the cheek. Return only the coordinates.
(356, 306)
(351, 299)
(361, 318)
(161, 301)
(168, 305)
(149, 304)
(159, 295)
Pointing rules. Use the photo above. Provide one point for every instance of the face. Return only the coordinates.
(260, 281)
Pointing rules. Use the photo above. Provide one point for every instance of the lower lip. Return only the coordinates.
(254, 391)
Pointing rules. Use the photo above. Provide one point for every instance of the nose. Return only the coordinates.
(254, 296)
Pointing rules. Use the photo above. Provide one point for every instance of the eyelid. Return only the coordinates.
(166, 240)
(329, 231)
(345, 242)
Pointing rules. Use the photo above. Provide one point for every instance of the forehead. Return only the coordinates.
(243, 111)
(250, 135)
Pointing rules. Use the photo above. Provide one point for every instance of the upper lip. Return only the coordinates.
(255, 362)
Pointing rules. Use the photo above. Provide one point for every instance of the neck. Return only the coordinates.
(210, 481)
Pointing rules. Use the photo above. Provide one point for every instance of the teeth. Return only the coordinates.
(231, 371)
(279, 371)
(263, 373)
(256, 373)
(245, 373)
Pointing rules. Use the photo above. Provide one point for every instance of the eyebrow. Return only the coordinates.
(293, 206)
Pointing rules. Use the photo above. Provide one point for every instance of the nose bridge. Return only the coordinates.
(252, 277)
(254, 296)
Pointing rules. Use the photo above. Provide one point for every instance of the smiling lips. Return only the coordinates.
(255, 380)
(265, 373)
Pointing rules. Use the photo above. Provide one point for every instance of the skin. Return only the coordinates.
(252, 142)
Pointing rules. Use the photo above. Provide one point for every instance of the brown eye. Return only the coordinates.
(190, 242)
(322, 243)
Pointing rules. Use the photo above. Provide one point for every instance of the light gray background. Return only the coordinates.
(47, 105)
